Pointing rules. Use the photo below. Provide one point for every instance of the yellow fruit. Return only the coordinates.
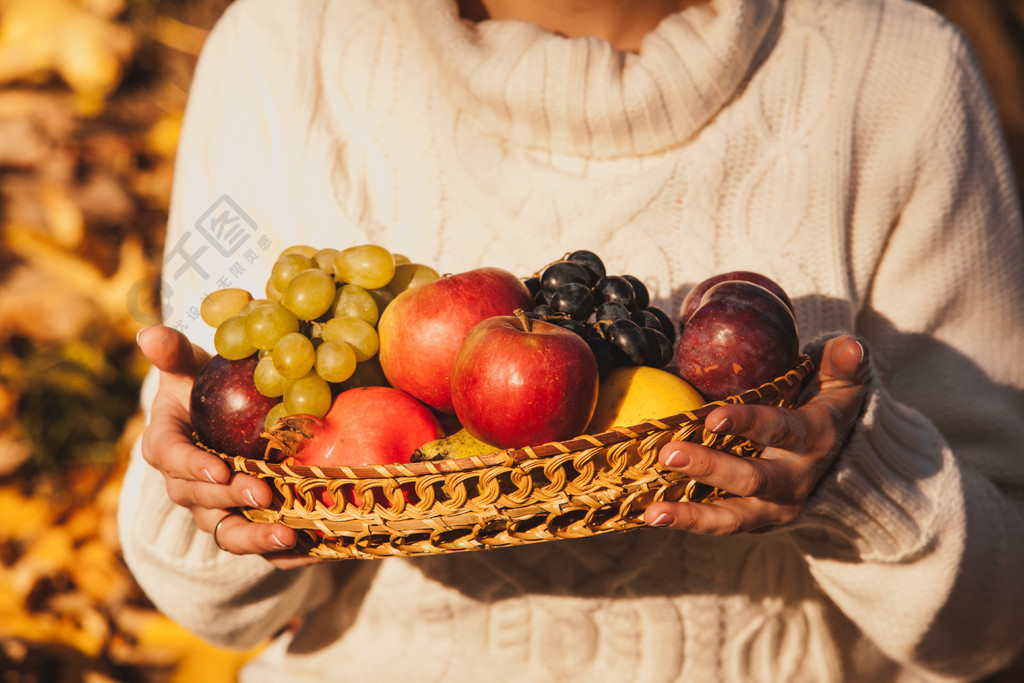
(461, 444)
(630, 395)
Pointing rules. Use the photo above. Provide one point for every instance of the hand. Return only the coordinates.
(198, 480)
(801, 444)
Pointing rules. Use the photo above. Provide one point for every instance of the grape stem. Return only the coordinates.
(565, 257)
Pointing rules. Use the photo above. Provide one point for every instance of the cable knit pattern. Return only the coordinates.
(846, 148)
(608, 103)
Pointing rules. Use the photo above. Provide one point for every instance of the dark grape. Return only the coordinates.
(573, 299)
(645, 318)
(562, 273)
(592, 261)
(602, 354)
(667, 326)
(590, 330)
(612, 310)
(544, 310)
(532, 284)
(569, 324)
(628, 342)
(616, 289)
(541, 298)
(659, 348)
(640, 294)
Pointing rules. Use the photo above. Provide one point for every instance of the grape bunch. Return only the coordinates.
(613, 313)
(315, 331)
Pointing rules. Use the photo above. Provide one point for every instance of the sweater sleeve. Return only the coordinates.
(916, 533)
(224, 170)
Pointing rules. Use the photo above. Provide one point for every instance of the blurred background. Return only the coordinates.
(91, 98)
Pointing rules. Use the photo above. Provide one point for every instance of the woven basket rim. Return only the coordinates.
(508, 457)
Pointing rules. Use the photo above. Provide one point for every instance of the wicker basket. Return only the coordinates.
(570, 489)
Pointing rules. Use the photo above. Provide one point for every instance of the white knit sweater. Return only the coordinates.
(848, 149)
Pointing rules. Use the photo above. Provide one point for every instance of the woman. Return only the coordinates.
(847, 149)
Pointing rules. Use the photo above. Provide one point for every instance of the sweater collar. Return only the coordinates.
(581, 96)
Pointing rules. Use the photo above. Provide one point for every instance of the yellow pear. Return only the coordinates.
(630, 395)
(461, 444)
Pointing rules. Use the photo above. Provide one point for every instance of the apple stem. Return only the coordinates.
(524, 319)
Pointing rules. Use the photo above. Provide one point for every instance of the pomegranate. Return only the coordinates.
(365, 426)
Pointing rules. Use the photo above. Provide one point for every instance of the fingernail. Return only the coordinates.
(252, 500)
(210, 476)
(677, 458)
(664, 519)
(863, 369)
(277, 541)
(139, 334)
(724, 425)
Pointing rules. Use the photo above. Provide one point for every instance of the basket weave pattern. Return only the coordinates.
(581, 487)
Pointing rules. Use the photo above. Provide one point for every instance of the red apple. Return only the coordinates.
(740, 337)
(522, 382)
(693, 297)
(227, 410)
(422, 329)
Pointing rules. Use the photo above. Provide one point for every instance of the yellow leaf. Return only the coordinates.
(96, 571)
(162, 138)
(63, 217)
(110, 294)
(178, 35)
(40, 37)
(197, 661)
(84, 630)
(22, 517)
(80, 624)
(51, 551)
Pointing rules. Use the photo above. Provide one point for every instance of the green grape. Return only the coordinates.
(324, 259)
(310, 294)
(272, 292)
(335, 361)
(308, 395)
(268, 380)
(253, 305)
(221, 304)
(352, 301)
(266, 324)
(401, 258)
(287, 267)
(301, 249)
(230, 340)
(408, 275)
(383, 296)
(293, 355)
(273, 415)
(357, 333)
(367, 265)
